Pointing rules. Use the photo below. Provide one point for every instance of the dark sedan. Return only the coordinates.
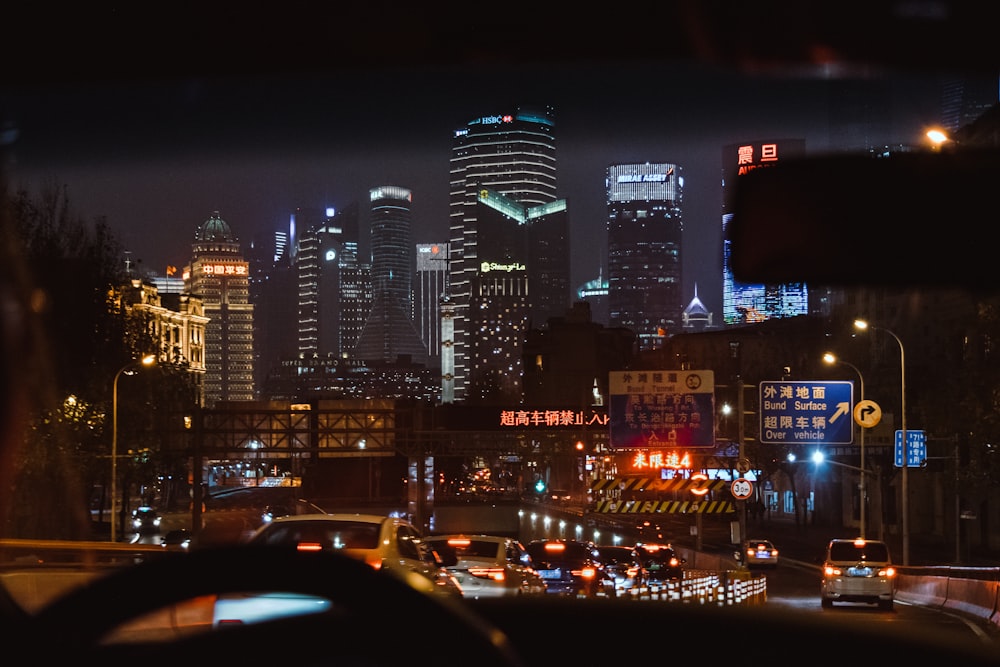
(569, 567)
(664, 568)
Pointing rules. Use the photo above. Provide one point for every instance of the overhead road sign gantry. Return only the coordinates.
(806, 413)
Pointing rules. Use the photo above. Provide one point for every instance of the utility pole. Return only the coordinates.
(741, 434)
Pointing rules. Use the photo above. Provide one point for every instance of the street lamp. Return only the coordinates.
(818, 458)
(127, 369)
(862, 325)
(831, 358)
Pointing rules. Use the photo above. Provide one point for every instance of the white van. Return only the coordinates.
(858, 570)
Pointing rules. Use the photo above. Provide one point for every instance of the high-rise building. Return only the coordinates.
(503, 182)
(219, 274)
(326, 256)
(391, 245)
(744, 302)
(963, 100)
(273, 286)
(389, 333)
(429, 287)
(595, 293)
(645, 231)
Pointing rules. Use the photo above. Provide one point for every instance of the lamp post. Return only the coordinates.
(128, 369)
(862, 324)
(831, 358)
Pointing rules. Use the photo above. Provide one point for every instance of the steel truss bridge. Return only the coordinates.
(366, 428)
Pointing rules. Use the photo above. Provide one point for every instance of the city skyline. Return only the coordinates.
(156, 172)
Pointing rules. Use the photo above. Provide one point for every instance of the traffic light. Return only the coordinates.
(540, 486)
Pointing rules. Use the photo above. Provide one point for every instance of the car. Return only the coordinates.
(663, 565)
(390, 545)
(623, 568)
(293, 507)
(489, 565)
(178, 538)
(858, 570)
(146, 520)
(570, 568)
(760, 553)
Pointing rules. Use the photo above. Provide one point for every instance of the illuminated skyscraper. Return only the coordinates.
(219, 275)
(429, 287)
(324, 259)
(509, 245)
(743, 302)
(645, 230)
(389, 333)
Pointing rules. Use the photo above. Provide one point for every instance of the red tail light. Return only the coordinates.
(494, 573)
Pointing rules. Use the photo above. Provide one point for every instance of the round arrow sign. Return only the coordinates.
(742, 488)
(867, 413)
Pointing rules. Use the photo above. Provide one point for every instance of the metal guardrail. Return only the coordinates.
(24, 551)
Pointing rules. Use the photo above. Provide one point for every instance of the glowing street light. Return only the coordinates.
(128, 369)
(937, 137)
(831, 358)
(862, 325)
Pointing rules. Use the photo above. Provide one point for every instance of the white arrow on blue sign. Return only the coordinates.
(916, 448)
(809, 413)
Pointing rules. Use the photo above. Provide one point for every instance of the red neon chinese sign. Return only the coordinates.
(657, 460)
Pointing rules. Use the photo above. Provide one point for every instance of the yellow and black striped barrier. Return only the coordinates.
(664, 507)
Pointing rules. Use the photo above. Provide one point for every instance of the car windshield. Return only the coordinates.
(620, 286)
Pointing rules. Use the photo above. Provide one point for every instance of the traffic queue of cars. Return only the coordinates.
(583, 569)
(386, 543)
(488, 566)
(453, 565)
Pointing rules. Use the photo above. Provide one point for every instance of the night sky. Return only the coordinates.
(157, 160)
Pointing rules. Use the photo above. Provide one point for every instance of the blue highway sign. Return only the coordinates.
(916, 448)
(817, 413)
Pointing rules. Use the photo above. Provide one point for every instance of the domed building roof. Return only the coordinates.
(215, 229)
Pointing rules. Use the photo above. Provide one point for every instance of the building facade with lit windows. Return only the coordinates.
(744, 303)
(513, 157)
(175, 321)
(645, 230)
(430, 285)
(273, 284)
(219, 275)
(389, 332)
(333, 290)
(522, 281)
